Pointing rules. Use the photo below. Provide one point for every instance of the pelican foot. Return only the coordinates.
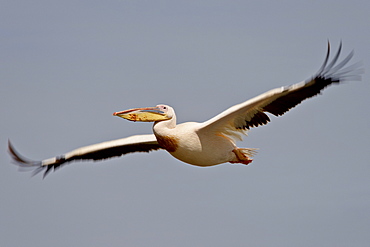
(243, 155)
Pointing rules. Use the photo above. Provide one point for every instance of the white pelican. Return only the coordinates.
(211, 142)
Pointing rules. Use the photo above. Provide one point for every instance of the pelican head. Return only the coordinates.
(147, 114)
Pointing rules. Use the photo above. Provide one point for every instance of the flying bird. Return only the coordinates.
(211, 142)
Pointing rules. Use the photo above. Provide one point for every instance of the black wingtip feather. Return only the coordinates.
(325, 61)
(24, 163)
(334, 60)
(19, 159)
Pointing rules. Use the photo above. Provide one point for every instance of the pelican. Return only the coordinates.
(212, 142)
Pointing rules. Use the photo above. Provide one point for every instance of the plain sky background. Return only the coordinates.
(66, 66)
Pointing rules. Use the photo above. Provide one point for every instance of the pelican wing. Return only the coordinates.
(99, 151)
(236, 120)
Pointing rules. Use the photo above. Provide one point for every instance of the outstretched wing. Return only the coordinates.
(99, 151)
(237, 119)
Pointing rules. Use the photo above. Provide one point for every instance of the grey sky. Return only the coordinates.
(66, 66)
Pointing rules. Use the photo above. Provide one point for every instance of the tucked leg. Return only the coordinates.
(243, 155)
